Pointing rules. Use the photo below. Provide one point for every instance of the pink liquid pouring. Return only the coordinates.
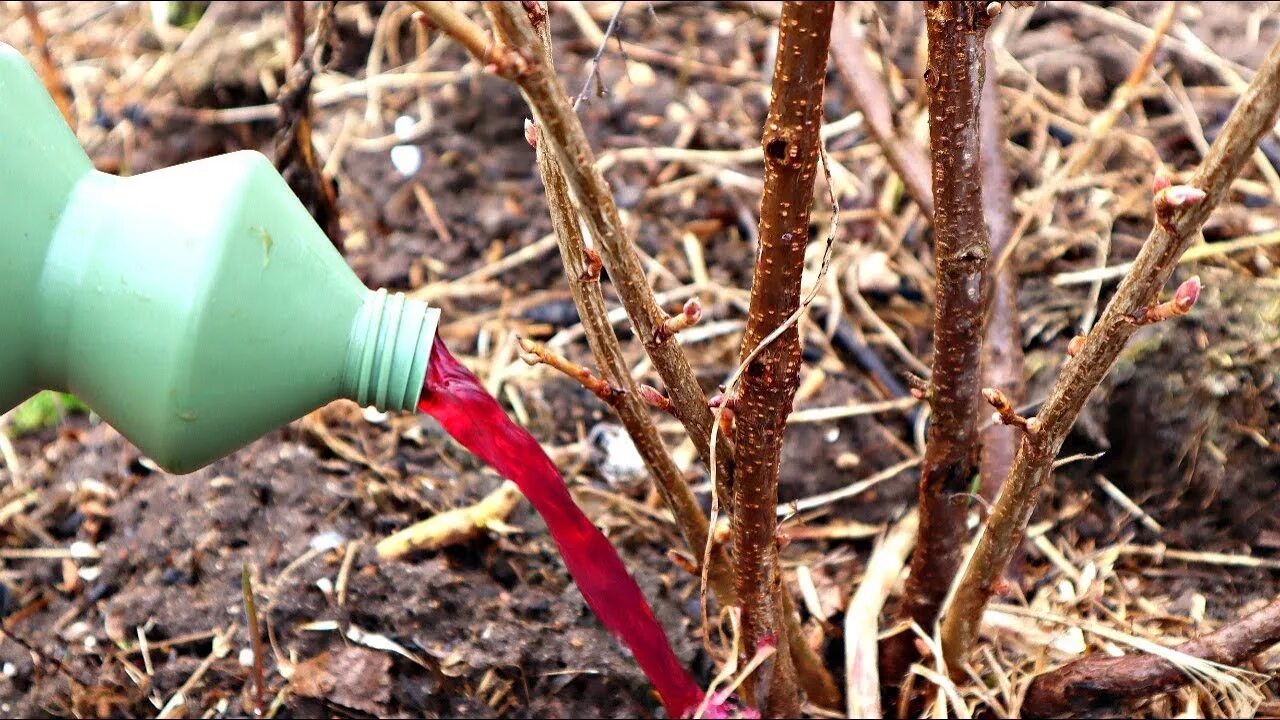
(456, 398)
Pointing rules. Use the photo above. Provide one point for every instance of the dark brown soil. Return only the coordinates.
(494, 628)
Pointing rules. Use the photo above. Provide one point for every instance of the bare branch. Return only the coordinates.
(1253, 116)
(1095, 683)
(1002, 359)
(562, 133)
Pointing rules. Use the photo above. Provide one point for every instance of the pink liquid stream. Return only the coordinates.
(456, 398)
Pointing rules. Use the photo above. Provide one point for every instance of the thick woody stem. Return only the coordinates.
(791, 147)
(1098, 683)
(1253, 117)
(954, 84)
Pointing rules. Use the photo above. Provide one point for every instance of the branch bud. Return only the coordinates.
(1005, 414)
(1171, 199)
(655, 398)
(594, 265)
(1076, 345)
(1183, 300)
(534, 353)
(689, 316)
(531, 133)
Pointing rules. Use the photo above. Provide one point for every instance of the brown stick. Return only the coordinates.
(1179, 217)
(791, 147)
(871, 96)
(1002, 362)
(954, 81)
(48, 68)
(562, 132)
(543, 92)
(630, 404)
(1095, 683)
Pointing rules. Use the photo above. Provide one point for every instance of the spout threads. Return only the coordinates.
(389, 349)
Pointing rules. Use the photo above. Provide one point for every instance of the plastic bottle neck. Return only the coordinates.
(388, 352)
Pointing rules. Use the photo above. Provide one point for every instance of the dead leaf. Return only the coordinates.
(352, 677)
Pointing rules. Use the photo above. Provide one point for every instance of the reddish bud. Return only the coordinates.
(531, 133)
(1170, 199)
(692, 310)
(654, 397)
(1161, 181)
(1179, 195)
(1076, 345)
(719, 400)
(1187, 294)
(689, 316)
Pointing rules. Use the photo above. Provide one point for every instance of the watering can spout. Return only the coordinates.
(195, 308)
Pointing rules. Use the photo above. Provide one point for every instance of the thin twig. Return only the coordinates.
(581, 267)
(255, 638)
(561, 131)
(1179, 217)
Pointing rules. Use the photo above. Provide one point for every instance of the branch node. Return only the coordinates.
(689, 316)
(1005, 412)
(654, 397)
(1076, 345)
(1183, 300)
(534, 353)
(1170, 199)
(531, 133)
(727, 405)
(918, 386)
(591, 273)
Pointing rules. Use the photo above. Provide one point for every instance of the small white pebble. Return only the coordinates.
(404, 127)
(327, 540)
(9, 669)
(90, 643)
(406, 159)
(246, 657)
(832, 435)
(89, 574)
(325, 585)
(614, 454)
